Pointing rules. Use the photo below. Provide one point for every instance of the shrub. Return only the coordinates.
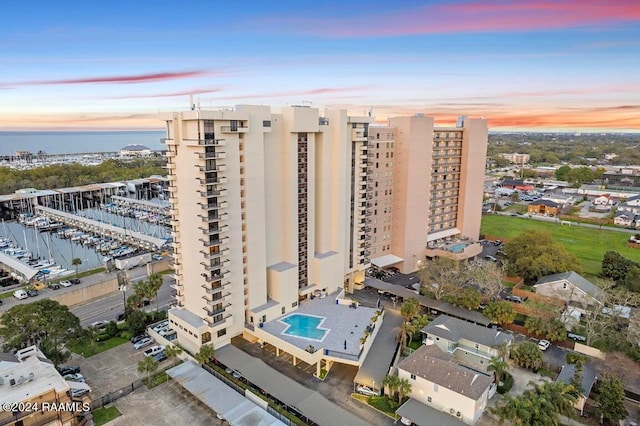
(112, 329)
(506, 385)
(574, 358)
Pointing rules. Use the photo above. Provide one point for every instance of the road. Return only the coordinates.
(107, 308)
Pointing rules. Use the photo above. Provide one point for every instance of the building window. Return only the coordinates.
(428, 399)
(266, 123)
(294, 304)
(413, 377)
(435, 387)
(222, 332)
(206, 337)
(283, 310)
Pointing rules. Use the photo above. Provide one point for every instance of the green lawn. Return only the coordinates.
(105, 415)
(87, 349)
(587, 244)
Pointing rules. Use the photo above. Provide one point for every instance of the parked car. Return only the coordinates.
(491, 258)
(99, 324)
(20, 294)
(153, 350)
(65, 283)
(32, 293)
(54, 286)
(74, 377)
(366, 391)
(69, 369)
(514, 299)
(160, 326)
(121, 317)
(544, 344)
(74, 280)
(160, 356)
(38, 286)
(74, 393)
(577, 337)
(143, 302)
(142, 343)
(136, 339)
(157, 257)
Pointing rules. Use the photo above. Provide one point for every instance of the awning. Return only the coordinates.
(423, 415)
(443, 234)
(25, 270)
(386, 260)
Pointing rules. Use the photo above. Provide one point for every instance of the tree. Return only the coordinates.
(562, 173)
(488, 277)
(527, 355)
(535, 326)
(499, 368)
(611, 400)
(136, 322)
(409, 309)
(154, 283)
(205, 353)
(172, 351)
(555, 330)
(500, 312)
(535, 254)
(469, 298)
(391, 382)
(615, 266)
(147, 365)
(45, 323)
(632, 279)
(403, 389)
(440, 276)
(76, 261)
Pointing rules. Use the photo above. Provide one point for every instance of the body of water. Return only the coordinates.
(77, 142)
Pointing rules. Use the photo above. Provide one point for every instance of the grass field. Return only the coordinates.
(87, 349)
(105, 415)
(587, 244)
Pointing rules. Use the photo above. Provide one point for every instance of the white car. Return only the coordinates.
(142, 343)
(75, 377)
(153, 350)
(544, 344)
(20, 294)
(160, 326)
(366, 391)
(66, 283)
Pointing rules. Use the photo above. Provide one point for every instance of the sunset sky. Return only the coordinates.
(524, 65)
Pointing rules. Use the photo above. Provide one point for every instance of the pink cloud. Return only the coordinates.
(496, 16)
(121, 79)
(173, 94)
(311, 92)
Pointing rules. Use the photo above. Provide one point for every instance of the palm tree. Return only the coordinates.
(403, 388)
(155, 282)
(76, 261)
(392, 382)
(172, 351)
(409, 309)
(516, 410)
(499, 367)
(147, 365)
(205, 353)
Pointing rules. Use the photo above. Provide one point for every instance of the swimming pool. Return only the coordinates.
(457, 248)
(305, 326)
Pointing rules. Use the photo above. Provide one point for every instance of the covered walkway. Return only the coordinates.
(225, 402)
(307, 402)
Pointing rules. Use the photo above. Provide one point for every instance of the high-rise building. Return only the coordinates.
(270, 207)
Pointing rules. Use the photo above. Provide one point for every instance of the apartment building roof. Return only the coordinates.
(454, 329)
(424, 415)
(544, 202)
(430, 363)
(575, 279)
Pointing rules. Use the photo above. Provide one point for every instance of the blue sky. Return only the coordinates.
(540, 65)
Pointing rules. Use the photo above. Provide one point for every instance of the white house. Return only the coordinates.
(624, 219)
(441, 384)
(570, 287)
(469, 344)
(632, 205)
(603, 200)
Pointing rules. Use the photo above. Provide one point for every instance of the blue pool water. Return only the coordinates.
(304, 326)
(457, 248)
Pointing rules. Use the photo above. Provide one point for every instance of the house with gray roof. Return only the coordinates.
(439, 383)
(588, 380)
(570, 287)
(470, 344)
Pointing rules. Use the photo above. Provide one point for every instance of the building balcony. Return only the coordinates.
(214, 206)
(212, 218)
(216, 168)
(212, 142)
(215, 264)
(170, 154)
(358, 134)
(215, 277)
(215, 242)
(208, 255)
(175, 234)
(212, 155)
(172, 189)
(216, 286)
(213, 310)
(174, 211)
(215, 230)
(176, 287)
(212, 180)
(214, 193)
(172, 177)
(170, 166)
(234, 129)
(220, 320)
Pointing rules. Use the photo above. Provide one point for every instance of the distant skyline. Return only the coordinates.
(544, 65)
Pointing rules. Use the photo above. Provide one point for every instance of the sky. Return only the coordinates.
(546, 65)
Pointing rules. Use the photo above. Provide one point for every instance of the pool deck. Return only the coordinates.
(344, 324)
